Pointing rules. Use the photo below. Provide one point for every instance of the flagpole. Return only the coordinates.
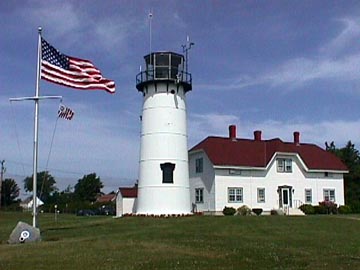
(36, 99)
(36, 129)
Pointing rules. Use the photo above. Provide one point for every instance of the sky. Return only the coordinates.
(274, 66)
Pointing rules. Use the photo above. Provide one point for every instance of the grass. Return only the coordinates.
(199, 242)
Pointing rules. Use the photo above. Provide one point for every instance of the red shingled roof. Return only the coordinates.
(251, 153)
(129, 192)
(106, 198)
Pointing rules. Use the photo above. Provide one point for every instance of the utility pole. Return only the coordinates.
(2, 171)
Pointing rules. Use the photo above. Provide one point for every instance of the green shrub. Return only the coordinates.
(12, 207)
(244, 211)
(308, 209)
(344, 209)
(320, 210)
(229, 211)
(257, 211)
(355, 207)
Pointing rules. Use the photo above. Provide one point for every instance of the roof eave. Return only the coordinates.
(239, 167)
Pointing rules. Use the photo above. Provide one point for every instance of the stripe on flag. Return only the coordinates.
(71, 72)
(65, 112)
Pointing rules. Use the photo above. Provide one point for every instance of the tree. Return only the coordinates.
(45, 185)
(350, 156)
(9, 192)
(88, 188)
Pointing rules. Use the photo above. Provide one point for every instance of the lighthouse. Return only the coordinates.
(163, 187)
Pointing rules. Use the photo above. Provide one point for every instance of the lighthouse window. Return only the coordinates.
(167, 172)
(162, 59)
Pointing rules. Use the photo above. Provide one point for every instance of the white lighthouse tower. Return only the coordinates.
(163, 186)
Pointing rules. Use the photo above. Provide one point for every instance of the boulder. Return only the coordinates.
(24, 233)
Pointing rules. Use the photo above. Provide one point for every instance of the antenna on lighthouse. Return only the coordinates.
(186, 47)
(150, 29)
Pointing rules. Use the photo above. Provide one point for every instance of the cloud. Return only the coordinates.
(299, 71)
(339, 131)
(336, 61)
(349, 33)
(178, 21)
(91, 142)
(113, 33)
(212, 124)
(69, 21)
(61, 18)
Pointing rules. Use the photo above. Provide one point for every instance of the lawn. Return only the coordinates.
(198, 242)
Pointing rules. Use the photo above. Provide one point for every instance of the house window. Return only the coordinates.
(167, 172)
(235, 195)
(329, 195)
(199, 195)
(284, 165)
(199, 165)
(261, 195)
(308, 196)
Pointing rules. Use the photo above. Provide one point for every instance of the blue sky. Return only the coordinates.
(275, 66)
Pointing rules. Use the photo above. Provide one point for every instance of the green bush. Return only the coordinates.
(229, 211)
(244, 211)
(308, 209)
(320, 210)
(344, 209)
(355, 207)
(257, 211)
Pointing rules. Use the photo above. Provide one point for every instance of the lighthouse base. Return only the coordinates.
(169, 200)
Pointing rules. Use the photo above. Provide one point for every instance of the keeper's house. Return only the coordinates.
(267, 174)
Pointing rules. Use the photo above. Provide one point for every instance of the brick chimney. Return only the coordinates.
(232, 132)
(257, 135)
(297, 137)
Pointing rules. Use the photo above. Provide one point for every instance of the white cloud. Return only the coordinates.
(331, 64)
(113, 33)
(201, 126)
(299, 71)
(179, 22)
(348, 35)
(69, 21)
(339, 131)
(58, 18)
(91, 142)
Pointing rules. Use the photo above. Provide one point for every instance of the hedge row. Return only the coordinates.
(243, 211)
(325, 208)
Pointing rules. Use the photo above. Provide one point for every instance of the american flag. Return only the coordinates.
(70, 71)
(65, 112)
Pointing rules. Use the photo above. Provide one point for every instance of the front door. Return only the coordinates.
(285, 197)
